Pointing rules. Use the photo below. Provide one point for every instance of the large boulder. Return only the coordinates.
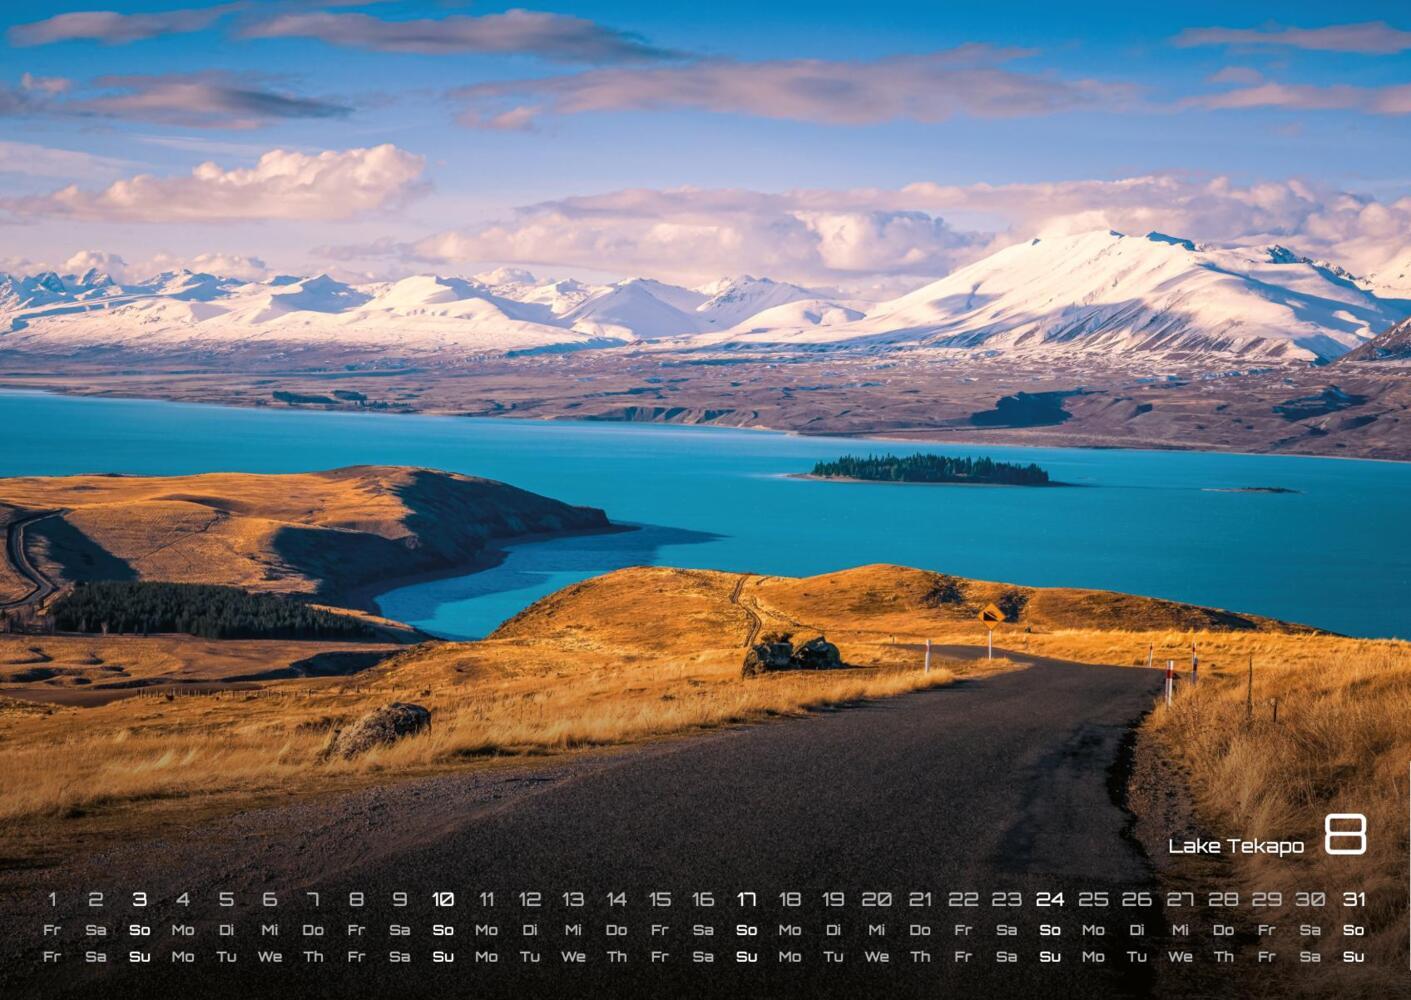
(380, 727)
(766, 657)
(816, 654)
(778, 653)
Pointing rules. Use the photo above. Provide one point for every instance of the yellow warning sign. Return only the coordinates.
(991, 615)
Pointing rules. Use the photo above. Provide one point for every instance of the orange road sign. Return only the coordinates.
(991, 615)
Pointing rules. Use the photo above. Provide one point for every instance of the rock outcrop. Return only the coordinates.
(779, 653)
(380, 727)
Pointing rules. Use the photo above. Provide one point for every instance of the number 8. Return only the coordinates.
(1358, 835)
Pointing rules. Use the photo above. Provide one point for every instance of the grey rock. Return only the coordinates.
(380, 727)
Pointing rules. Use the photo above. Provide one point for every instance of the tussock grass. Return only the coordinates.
(73, 761)
(1342, 743)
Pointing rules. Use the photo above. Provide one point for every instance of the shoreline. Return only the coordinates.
(1006, 438)
(364, 596)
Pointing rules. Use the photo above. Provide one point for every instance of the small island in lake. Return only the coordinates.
(924, 468)
(1249, 489)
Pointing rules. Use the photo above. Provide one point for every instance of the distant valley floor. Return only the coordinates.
(1347, 409)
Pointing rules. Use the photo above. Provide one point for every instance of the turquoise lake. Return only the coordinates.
(1335, 554)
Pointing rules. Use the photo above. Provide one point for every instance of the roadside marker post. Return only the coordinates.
(1170, 679)
(1195, 663)
(991, 615)
(928, 657)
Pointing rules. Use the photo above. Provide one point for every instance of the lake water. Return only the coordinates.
(1336, 554)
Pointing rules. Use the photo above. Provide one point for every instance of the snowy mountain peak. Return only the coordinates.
(735, 300)
(1102, 293)
(1097, 295)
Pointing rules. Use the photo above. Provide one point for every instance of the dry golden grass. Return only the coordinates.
(649, 652)
(631, 655)
(1341, 743)
(13, 586)
(94, 668)
(316, 532)
(68, 760)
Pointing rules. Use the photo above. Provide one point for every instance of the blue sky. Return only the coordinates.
(800, 133)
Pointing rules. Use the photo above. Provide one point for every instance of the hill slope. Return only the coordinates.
(317, 533)
(1392, 345)
(877, 597)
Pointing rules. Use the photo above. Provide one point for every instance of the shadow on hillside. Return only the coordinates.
(77, 556)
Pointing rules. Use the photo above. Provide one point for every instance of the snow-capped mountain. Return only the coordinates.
(1394, 277)
(192, 311)
(643, 309)
(734, 300)
(1109, 294)
(1393, 345)
(1095, 296)
(508, 309)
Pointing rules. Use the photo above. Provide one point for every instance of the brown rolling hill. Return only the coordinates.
(318, 533)
(656, 623)
(696, 604)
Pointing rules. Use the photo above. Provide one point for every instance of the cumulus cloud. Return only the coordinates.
(110, 264)
(113, 28)
(559, 37)
(854, 237)
(203, 100)
(226, 265)
(931, 87)
(283, 185)
(1368, 37)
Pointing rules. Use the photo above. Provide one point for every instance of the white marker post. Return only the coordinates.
(928, 657)
(1170, 679)
(1195, 663)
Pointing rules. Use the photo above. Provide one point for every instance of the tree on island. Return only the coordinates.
(924, 468)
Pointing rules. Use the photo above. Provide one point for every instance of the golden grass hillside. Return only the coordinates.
(13, 586)
(1340, 743)
(634, 655)
(650, 652)
(91, 669)
(308, 533)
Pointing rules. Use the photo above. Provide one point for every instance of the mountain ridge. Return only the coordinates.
(1100, 294)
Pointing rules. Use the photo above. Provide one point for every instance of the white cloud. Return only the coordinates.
(226, 265)
(113, 28)
(108, 263)
(930, 87)
(199, 100)
(1368, 37)
(45, 84)
(862, 235)
(31, 160)
(1391, 100)
(559, 37)
(283, 185)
